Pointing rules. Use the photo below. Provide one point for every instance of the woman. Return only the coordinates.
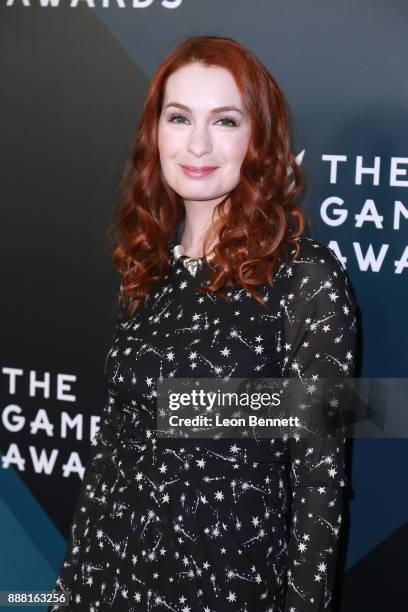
(217, 280)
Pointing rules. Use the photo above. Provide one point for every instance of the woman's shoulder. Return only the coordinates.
(314, 265)
(311, 250)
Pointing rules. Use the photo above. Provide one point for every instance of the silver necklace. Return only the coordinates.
(192, 264)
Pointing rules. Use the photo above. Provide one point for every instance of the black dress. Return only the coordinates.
(194, 525)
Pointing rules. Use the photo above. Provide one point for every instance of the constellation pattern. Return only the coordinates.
(245, 525)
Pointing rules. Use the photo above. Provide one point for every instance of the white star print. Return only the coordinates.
(141, 517)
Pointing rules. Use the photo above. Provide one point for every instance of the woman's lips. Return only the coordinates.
(197, 172)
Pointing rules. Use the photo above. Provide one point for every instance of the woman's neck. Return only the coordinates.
(198, 220)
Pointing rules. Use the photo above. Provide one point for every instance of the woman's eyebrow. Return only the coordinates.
(220, 109)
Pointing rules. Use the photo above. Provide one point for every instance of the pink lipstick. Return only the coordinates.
(198, 171)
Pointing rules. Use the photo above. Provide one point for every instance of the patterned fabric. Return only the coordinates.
(246, 525)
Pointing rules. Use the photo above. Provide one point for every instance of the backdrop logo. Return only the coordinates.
(170, 4)
(32, 417)
(368, 175)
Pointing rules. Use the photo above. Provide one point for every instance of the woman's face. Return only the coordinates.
(203, 124)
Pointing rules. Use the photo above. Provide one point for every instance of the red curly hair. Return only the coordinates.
(262, 217)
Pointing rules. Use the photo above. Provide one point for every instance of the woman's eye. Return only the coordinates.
(180, 119)
(232, 122)
(171, 120)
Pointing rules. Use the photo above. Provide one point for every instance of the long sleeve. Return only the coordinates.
(319, 341)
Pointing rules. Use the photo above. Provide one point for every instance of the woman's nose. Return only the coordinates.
(199, 142)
